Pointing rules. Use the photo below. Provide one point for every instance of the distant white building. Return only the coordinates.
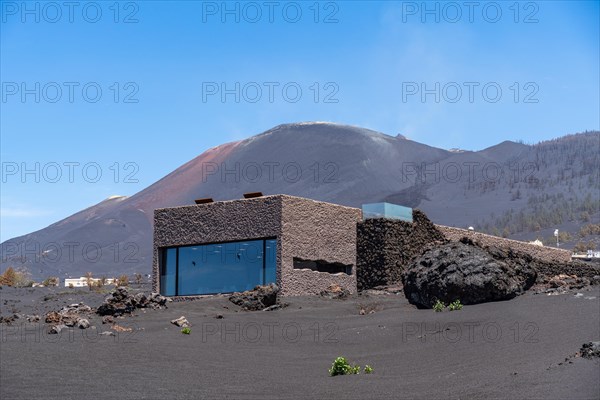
(83, 281)
(537, 242)
(593, 254)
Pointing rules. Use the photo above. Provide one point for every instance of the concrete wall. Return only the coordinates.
(543, 253)
(304, 228)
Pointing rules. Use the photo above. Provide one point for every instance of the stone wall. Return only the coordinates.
(315, 230)
(543, 253)
(385, 247)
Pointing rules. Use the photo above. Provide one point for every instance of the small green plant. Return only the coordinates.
(341, 367)
(438, 306)
(455, 305)
(186, 330)
(368, 369)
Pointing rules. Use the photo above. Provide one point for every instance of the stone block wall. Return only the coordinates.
(543, 253)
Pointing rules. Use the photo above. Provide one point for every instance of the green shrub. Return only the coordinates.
(368, 369)
(186, 331)
(455, 305)
(341, 367)
(438, 306)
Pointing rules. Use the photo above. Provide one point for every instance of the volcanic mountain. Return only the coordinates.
(512, 188)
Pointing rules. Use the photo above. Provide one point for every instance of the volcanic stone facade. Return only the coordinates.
(304, 229)
(385, 248)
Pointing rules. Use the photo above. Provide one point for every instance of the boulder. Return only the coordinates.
(157, 301)
(568, 281)
(181, 322)
(70, 319)
(82, 323)
(55, 329)
(75, 308)
(53, 317)
(120, 294)
(114, 309)
(140, 300)
(9, 320)
(335, 292)
(465, 272)
(121, 302)
(590, 350)
(33, 318)
(257, 299)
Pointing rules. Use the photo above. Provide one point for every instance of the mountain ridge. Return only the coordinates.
(331, 162)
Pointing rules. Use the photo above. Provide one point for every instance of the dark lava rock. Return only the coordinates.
(114, 308)
(257, 299)
(157, 301)
(140, 300)
(120, 294)
(121, 302)
(465, 272)
(590, 350)
(9, 320)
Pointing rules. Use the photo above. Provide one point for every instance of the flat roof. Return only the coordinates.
(262, 198)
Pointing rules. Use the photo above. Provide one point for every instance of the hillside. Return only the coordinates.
(521, 191)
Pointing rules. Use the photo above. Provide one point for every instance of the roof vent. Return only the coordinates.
(204, 201)
(252, 195)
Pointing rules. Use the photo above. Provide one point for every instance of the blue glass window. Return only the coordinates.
(271, 261)
(168, 270)
(387, 210)
(219, 268)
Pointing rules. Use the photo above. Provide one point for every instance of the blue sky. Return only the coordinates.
(499, 71)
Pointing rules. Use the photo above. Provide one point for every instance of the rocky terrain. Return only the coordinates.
(507, 349)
